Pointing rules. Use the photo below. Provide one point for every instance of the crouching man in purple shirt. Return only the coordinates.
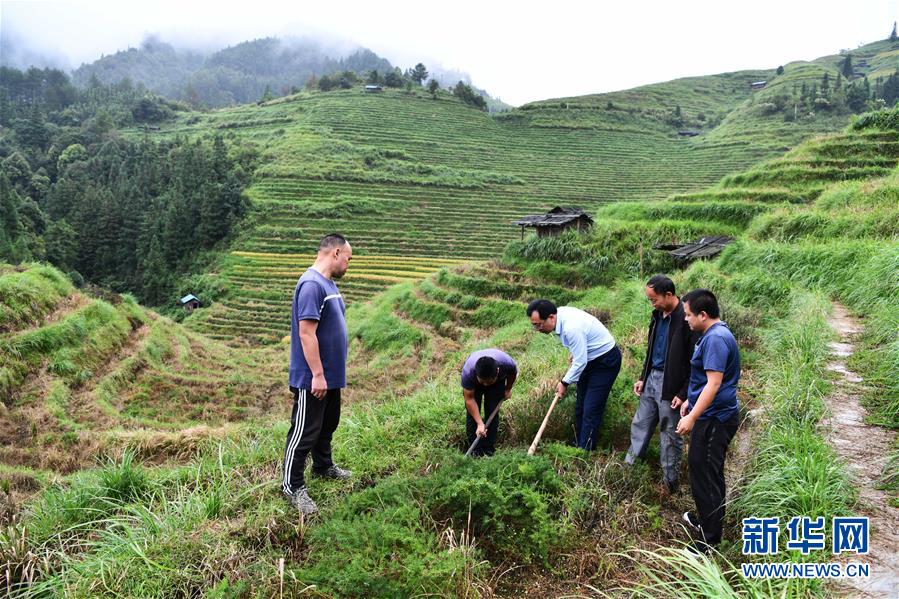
(488, 375)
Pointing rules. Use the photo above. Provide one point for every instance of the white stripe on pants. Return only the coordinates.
(298, 425)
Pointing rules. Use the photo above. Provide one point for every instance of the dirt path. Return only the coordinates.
(864, 449)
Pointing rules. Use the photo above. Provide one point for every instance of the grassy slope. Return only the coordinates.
(403, 174)
(404, 527)
(82, 374)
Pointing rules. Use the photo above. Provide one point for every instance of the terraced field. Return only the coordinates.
(82, 372)
(258, 307)
(406, 175)
(410, 176)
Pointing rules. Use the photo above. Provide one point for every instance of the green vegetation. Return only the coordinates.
(188, 429)
(411, 173)
(128, 215)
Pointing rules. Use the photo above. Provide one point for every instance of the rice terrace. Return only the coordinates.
(165, 371)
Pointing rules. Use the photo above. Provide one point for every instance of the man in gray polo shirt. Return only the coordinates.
(318, 355)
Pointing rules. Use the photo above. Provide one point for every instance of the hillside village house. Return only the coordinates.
(190, 302)
(556, 220)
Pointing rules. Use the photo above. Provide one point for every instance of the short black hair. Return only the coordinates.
(331, 241)
(543, 307)
(702, 300)
(485, 368)
(661, 284)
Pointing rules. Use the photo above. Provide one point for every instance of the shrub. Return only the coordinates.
(506, 499)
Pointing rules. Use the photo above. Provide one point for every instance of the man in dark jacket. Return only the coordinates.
(662, 386)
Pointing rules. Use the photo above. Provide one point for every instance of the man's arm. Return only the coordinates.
(690, 341)
(577, 345)
(702, 402)
(309, 341)
(473, 410)
(510, 382)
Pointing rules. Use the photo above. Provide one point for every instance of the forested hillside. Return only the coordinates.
(127, 214)
(234, 75)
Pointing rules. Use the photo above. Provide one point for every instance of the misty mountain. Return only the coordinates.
(234, 75)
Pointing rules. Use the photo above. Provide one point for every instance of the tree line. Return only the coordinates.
(395, 78)
(843, 93)
(128, 214)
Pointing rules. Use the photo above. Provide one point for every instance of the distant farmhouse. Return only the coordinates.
(190, 302)
(373, 88)
(758, 84)
(555, 221)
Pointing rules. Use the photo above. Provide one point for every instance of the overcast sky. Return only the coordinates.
(518, 51)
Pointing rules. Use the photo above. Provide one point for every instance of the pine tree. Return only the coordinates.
(419, 73)
(10, 226)
(846, 68)
(893, 34)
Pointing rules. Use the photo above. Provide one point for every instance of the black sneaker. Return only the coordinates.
(699, 549)
(301, 501)
(335, 471)
(692, 522)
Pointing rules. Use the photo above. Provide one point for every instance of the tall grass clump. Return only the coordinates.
(864, 275)
(28, 295)
(794, 471)
(675, 572)
(563, 258)
(886, 119)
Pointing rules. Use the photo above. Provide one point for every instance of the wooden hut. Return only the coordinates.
(190, 302)
(556, 221)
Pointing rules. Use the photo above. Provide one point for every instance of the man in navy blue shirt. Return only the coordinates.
(318, 356)
(711, 413)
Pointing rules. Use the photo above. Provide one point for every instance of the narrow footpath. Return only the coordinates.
(864, 449)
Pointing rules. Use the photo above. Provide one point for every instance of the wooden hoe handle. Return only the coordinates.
(533, 447)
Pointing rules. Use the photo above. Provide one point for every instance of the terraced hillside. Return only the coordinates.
(405, 175)
(85, 371)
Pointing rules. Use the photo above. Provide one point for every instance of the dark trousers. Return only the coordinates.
(593, 389)
(708, 448)
(312, 424)
(491, 397)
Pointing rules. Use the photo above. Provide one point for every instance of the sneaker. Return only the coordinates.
(699, 549)
(692, 521)
(335, 471)
(301, 501)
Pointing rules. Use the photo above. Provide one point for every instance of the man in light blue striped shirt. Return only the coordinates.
(595, 362)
